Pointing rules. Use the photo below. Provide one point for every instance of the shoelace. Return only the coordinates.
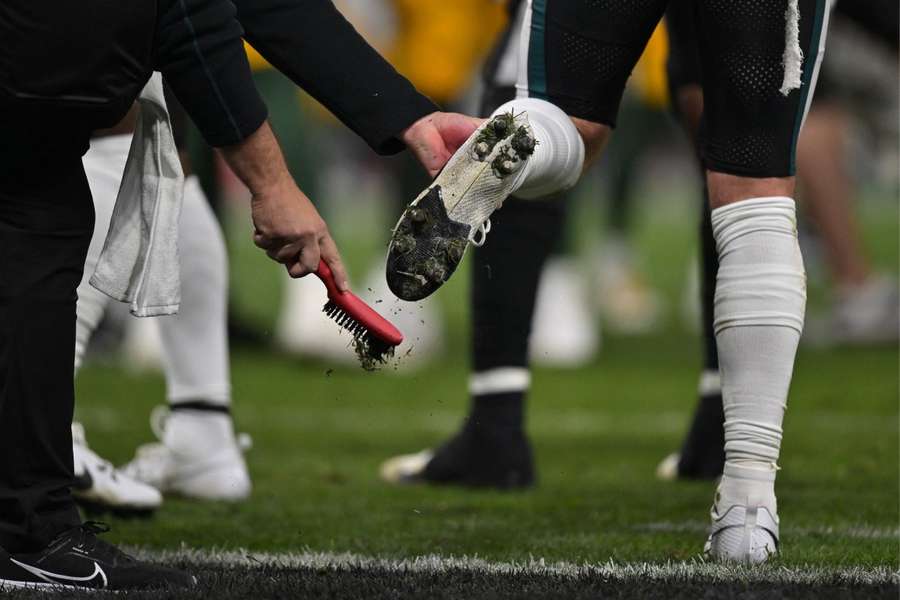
(483, 230)
(86, 537)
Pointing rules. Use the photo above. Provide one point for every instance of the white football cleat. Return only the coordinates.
(745, 534)
(198, 456)
(100, 487)
(436, 228)
(406, 468)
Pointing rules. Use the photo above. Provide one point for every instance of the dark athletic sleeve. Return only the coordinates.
(199, 51)
(315, 46)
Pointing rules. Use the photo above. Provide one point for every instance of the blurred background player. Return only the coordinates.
(864, 303)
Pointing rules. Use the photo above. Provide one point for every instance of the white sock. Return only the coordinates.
(195, 341)
(104, 164)
(558, 155)
(759, 310)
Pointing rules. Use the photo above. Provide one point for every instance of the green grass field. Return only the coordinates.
(319, 437)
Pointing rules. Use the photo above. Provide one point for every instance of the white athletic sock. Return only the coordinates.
(759, 309)
(195, 341)
(558, 155)
(104, 164)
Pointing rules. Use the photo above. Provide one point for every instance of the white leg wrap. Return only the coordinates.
(760, 302)
(559, 154)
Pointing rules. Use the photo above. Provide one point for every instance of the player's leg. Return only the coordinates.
(198, 454)
(760, 62)
(99, 487)
(574, 60)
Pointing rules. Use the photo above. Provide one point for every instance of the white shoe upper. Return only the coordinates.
(406, 467)
(746, 534)
(564, 330)
(472, 187)
(104, 485)
(198, 456)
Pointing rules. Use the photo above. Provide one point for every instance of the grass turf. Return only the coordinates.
(599, 432)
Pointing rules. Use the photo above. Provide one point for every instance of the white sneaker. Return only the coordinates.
(305, 330)
(667, 469)
(746, 534)
(564, 330)
(198, 456)
(406, 468)
(628, 305)
(435, 230)
(868, 313)
(100, 487)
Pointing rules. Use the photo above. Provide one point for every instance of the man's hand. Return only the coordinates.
(287, 225)
(290, 230)
(434, 138)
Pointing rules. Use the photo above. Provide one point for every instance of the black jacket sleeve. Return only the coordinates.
(314, 45)
(199, 50)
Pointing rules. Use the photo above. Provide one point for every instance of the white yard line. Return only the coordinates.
(639, 571)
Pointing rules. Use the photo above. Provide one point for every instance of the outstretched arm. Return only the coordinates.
(199, 50)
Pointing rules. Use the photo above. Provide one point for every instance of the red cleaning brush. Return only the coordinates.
(372, 331)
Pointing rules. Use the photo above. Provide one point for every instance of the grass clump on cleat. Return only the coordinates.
(434, 231)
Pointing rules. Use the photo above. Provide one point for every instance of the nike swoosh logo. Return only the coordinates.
(58, 578)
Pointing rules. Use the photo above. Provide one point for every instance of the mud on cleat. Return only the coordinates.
(434, 231)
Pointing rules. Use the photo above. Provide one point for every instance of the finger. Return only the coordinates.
(262, 241)
(297, 270)
(286, 254)
(309, 256)
(332, 258)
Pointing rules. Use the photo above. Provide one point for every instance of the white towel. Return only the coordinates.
(139, 261)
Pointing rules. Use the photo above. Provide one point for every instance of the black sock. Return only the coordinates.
(503, 411)
(505, 276)
(709, 270)
(703, 450)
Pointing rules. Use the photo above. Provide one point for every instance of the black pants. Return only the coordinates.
(46, 223)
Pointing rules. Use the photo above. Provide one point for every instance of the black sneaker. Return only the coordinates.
(474, 457)
(78, 559)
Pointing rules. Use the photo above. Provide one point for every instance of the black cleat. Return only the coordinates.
(474, 457)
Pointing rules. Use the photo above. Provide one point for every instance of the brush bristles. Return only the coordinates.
(345, 321)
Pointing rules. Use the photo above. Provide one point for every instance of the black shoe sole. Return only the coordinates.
(426, 248)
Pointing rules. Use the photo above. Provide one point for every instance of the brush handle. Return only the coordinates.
(364, 314)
